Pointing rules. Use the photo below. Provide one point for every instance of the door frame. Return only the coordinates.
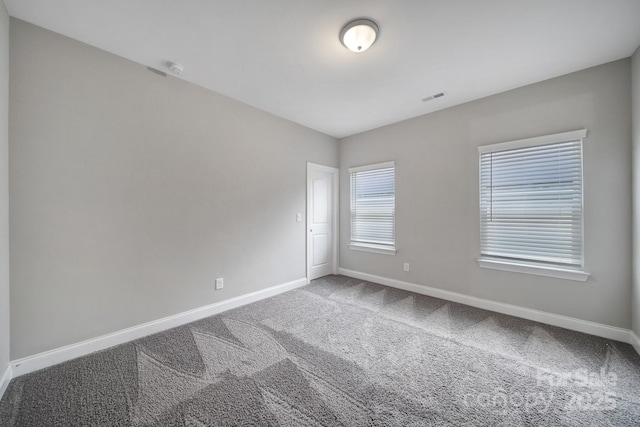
(335, 178)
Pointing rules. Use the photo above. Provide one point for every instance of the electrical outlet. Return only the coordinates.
(406, 266)
(219, 283)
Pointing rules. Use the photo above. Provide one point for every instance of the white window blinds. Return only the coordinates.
(531, 200)
(373, 206)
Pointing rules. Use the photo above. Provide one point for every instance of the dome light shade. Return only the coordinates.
(358, 35)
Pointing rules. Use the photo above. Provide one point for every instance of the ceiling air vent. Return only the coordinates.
(429, 98)
(153, 70)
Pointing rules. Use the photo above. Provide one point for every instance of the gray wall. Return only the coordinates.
(635, 71)
(130, 193)
(437, 193)
(4, 188)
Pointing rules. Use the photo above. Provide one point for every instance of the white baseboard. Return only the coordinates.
(598, 329)
(5, 380)
(635, 341)
(62, 354)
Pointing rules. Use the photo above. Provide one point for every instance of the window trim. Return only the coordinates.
(537, 269)
(371, 247)
(364, 247)
(522, 266)
(535, 141)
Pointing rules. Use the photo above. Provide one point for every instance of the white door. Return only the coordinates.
(321, 206)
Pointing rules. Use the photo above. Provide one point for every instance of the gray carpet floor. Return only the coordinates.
(341, 352)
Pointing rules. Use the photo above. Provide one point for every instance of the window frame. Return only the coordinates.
(364, 246)
(521, 265)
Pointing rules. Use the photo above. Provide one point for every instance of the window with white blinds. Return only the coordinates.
(373, 204)
(531, 201)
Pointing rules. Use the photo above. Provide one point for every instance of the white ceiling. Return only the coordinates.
(284, 56)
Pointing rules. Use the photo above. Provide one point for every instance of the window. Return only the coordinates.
(531, 206)
(373, 205)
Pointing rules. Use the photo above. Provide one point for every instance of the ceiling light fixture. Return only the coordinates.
(359, 34)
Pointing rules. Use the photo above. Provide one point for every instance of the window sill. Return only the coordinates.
(514, 266)
(373, 248)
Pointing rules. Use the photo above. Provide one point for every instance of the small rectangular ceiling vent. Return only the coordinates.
(161, 73)
(429, 98)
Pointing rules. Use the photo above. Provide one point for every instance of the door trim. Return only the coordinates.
(335, 178)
